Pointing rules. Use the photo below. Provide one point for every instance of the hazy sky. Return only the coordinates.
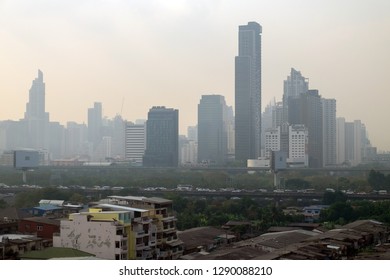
(131, 55)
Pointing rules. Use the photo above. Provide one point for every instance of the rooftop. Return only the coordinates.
(53, 252)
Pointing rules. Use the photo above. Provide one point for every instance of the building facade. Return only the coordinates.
(298, 142)
(212, 130)
(162, 138)
(135, 143)
(293, 86)
(103, 234)
(329, 131)
(248, 93)
(306, 109)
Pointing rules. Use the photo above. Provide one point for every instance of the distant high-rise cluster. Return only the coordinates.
(303, 126)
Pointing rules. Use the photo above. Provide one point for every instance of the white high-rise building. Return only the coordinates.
(351, 142)
(298, 138)
(298, 142)
(135, 142)
(189, 153)
(272, 141)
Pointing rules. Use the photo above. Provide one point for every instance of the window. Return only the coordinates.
(39, 228)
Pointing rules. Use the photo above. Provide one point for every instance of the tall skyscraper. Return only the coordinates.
(248, 92)
(212, 130)
(162, 138)
(36, 119)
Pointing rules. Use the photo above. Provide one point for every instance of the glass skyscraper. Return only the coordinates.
(248, 93)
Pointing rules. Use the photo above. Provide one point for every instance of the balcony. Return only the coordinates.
(141, 234)
(169, 218)
(145, 220)
(171, 239)
(142, 246)
(169, 229)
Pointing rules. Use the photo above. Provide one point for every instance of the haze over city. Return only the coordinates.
(132, 55)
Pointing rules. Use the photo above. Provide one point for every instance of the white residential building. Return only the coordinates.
(272, 141)
(96, 233)
(298, 142)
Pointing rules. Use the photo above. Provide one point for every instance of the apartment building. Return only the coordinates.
(119, 228)
(102, 233)
(167, 244)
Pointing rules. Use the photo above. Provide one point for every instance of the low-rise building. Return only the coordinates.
(39, 226)
(12, 246)
(123, 228)
(101, 233)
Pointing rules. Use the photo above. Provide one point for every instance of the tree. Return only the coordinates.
(3, 204)
(333, 197)
(376, 179)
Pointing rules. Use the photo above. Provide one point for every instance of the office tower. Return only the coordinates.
(293, 87)
(248, 93)
(306, 109)
(329, 131)
(212, 132)
(162, 138)
(340, 141)
(95, 123)
(135, 143)
(35, 117)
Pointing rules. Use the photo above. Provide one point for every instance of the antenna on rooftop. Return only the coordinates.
(123, 101)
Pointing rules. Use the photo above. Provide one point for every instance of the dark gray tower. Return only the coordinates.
(248, 92)
(162, 138)
(306, 109)
(212, 130)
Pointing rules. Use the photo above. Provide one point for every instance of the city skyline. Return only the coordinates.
(90, 52)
